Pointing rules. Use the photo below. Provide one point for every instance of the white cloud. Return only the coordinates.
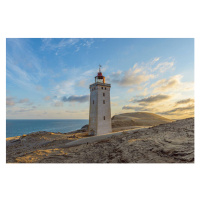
(130, 77)
(164, 66)
(54, 44)
(174, 83)
(154, 60)
(65, 87)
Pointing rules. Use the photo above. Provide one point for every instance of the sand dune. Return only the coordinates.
(134, 120)
(138, 119)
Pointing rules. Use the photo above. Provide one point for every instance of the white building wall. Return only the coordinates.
(93, 113)
(99, 110)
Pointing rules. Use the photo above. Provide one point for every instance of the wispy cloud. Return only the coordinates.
(76, 98)
(58, 45)
(135, 108)
(69, 86)
(153, 99)
(26, 109)
(185, 101)
(55, 44)
(26, 100)
(10, 101)
(88, 42)
(180, 111)
(164, 66)
(65, 87)
(22, 65)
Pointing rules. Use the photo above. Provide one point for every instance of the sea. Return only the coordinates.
(25, 126)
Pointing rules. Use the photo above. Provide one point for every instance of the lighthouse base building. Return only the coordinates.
(100, 112)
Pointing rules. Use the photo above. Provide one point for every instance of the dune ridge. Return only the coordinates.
(138, 119)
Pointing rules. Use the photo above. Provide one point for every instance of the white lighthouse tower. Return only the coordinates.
(100, 112)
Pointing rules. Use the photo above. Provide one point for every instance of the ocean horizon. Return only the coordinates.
(17, 127)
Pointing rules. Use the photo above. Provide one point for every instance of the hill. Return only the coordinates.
(127, 121)
(138, 119)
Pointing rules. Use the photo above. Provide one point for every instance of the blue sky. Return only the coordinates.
(50, 78)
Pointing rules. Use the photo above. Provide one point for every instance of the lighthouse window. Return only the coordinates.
(104, 117)
(104, 94)
(103, 101)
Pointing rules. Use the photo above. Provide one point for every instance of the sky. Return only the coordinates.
(49, 78)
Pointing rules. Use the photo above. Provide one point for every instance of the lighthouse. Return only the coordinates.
(100, 112)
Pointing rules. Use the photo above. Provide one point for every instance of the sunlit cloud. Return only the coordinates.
(154, 99)
(180, 111)
(134, 108)
(174, 83)
(130, 77)
(185, 101)
(55, 74)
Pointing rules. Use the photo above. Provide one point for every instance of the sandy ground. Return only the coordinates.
(166, 143)
(138, 119)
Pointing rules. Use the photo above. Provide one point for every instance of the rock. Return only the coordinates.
(85, 128)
